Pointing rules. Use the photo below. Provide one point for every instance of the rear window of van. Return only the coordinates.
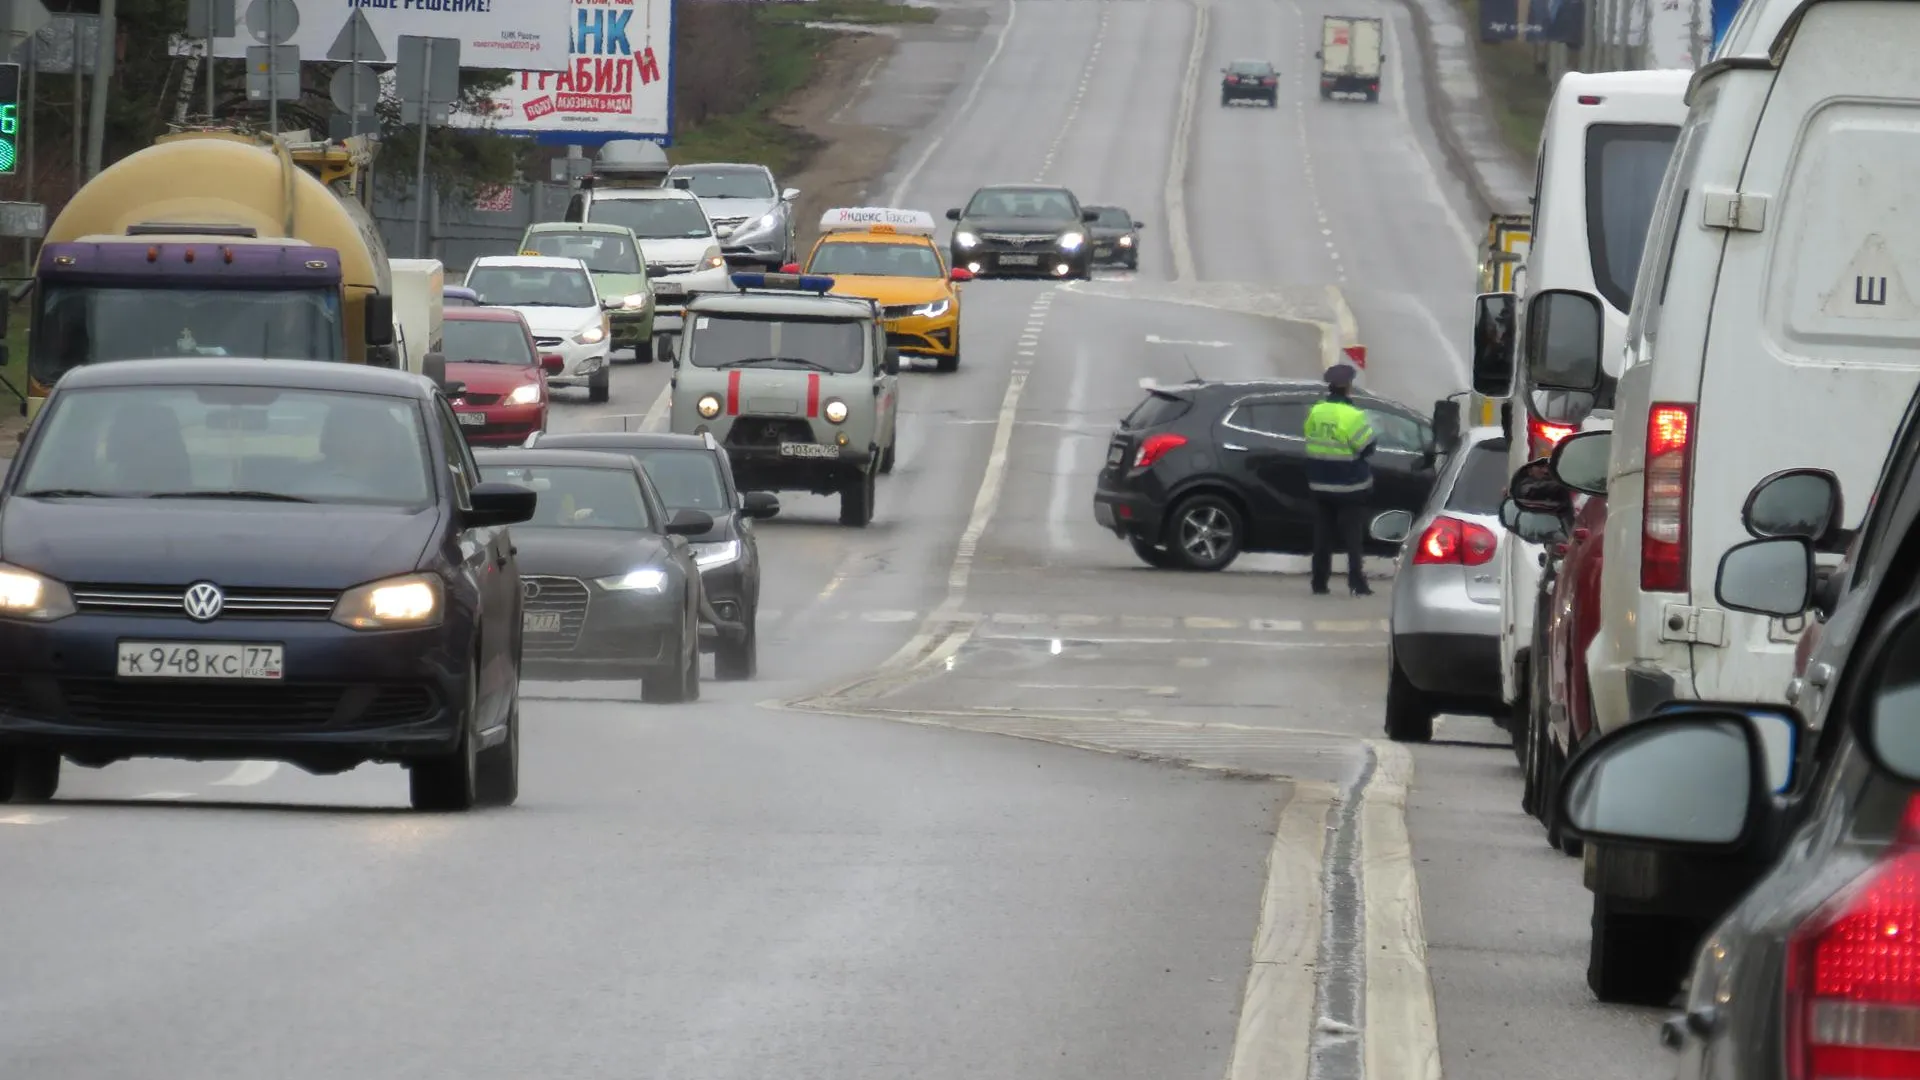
(1625, 165)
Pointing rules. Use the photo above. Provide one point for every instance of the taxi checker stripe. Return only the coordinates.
(733, 393)
(813, 395)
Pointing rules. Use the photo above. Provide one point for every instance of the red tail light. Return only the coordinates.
(1853, 973)
(1157, 447)
(1591, 99)
(1663, 512)
(1542, 437)
(1452, 542)
(1266, 82)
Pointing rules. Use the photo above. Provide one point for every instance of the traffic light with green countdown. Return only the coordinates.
(9, 118)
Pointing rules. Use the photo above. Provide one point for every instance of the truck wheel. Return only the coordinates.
(1409, 713)
(856, 500)
(886, 459)
(599, 385)
(1636, 959)
(28, 775)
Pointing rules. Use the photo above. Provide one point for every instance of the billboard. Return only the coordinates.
(617, 84)
(1534, 21)
(516, 34)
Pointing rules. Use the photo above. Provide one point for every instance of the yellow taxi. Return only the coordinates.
(890, 256)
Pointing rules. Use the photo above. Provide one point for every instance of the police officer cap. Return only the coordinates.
(1341, 374)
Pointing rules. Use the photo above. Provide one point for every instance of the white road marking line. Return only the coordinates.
(248, 773)
(1207, 622)
(1147, 621)
(1192, 662)
(966, 108)
(888, 616)
(1402, 1038)
(1347, 626)
(1065, 482)
(1155, 339)
(1284, 625)
(1079, 96)
(1175, 195)
(165, 795)
(1275, 1032)
(31, 819)
(657, 412)
(1155, 691)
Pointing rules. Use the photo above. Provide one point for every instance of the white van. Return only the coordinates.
(1603, 151)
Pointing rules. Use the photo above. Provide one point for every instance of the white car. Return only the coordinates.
(677, 239)
(558, 299)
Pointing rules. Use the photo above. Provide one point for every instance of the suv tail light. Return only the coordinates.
(1157, 447)
(1663, 512)
(1542, 437)
(1853, 973)
(1452, 542)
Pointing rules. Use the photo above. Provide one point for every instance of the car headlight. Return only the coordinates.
(405, 601)
(636, 301)
(714, 259)
(1126, 241)
(592, 335)
(933, 310)
(27, 595)
(835, 411)
(765, 223)
(1072, 241)
(645, 579)
(718, 553)
(965, 238)
(708, 406)
(524, 395)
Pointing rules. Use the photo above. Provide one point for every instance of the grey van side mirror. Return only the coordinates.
(1773, 577)
(1580, 461)
(891, 363)
(1565, 332)
(1493, 344)
(1794, 502)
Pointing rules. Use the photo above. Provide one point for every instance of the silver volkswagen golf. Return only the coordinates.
(1444, 646)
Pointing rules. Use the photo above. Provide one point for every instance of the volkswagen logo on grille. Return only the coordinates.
(203, 601)
(530, 589)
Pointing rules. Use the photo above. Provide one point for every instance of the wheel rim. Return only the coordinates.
(1205, 533)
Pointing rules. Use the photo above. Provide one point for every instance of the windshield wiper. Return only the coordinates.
(66, 493)
(260, 496)
(778, 360)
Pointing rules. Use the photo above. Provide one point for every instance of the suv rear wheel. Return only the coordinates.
(1205, 533)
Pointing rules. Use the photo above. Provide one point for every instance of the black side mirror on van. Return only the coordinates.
(1565, 336)
(1446, 425)
(1802, 503)
(1533, 489)
(1580, 461)
(378, 312)
(1493, 315)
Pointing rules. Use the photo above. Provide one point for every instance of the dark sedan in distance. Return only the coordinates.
(610, 584)
(1023, 230)
(1116, 237)
(231, 559)
(1250, 80)
(1198, 473)
(691, 472)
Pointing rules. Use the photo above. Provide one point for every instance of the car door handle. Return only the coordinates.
(1233, 446)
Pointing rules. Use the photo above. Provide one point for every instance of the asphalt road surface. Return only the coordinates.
(944, 834)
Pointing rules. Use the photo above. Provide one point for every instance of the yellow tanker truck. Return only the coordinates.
(211, 243)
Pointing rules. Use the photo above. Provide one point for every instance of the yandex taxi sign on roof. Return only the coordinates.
(877, 219)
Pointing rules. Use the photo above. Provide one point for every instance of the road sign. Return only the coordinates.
(273, 73)
(58, 43)
(427, 77)
(23, 17)
(273, 22)
(355, 88)
(1356, 355)
(357, 43)
(9, 118)
(23, 219)
(340, 126)
(207, 18)
(529, 35)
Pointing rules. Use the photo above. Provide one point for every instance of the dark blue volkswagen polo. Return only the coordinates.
(219, 559)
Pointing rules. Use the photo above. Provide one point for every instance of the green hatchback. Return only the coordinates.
(612, 256)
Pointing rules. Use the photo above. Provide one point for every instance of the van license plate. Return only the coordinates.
(808, 450)
(541, 622)
(1020, 260)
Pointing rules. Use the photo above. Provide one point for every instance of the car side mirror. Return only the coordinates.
(377, 310)
(1889, 726)
(1580, 461)
(1089, 216)
(1391, 527)
(1446, 425)
(890, 362)
(723, 231)
(1773, 576)
(760, 504)
(1533, 488)
(1317, 56)
(610, 305)
(1139, 224)
(953, 215)
(790, 268)
(494, 503)
(960, 273)
(790, 194)
(1697, 781)
(1794, 502)
(1493, 344)
(1535, 527)
(1565, 332)
(689, 523)
(553, 363)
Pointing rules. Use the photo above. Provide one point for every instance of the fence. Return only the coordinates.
(458, 231)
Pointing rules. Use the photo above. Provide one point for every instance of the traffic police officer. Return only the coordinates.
(1339, 442)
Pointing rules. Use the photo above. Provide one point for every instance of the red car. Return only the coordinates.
(502, 393)
(1572, 619)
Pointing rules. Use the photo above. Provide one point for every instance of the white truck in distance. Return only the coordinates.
(1351, 56)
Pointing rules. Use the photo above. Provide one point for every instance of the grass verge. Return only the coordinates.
(1514, 85)
(788, 52)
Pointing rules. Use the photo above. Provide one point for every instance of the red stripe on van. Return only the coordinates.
(813, 396)
(733, 393)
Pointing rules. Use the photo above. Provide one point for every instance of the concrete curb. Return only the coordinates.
(1461, 113)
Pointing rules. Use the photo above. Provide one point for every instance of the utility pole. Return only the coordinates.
(102, 70)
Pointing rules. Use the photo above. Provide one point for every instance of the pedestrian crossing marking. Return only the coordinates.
(1207, 622)
(1147, 622)
(1292, 626)
(1073, 622)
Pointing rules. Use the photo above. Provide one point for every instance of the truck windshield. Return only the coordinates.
(654, 219)
(808, 344)
(85, 324)
(1625, 165)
